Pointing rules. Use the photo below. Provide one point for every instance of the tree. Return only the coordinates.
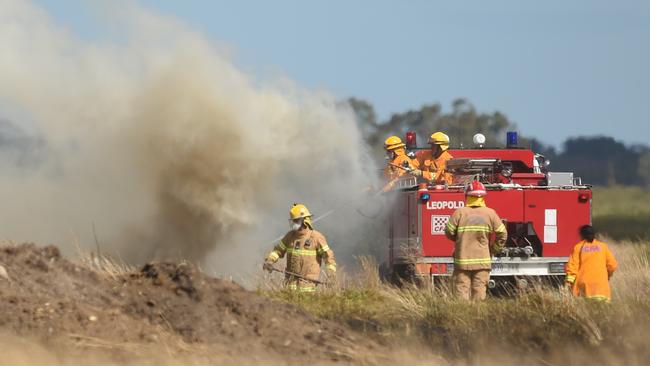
(19, 147)
(599, 160)
(644, 168)
(460, 124)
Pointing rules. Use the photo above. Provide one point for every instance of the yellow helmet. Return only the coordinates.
(298, 211)
(393, 143)
(439, 138)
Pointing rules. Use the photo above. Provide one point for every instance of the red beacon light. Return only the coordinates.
(411, 140)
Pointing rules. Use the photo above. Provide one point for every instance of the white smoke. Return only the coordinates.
(158, 139)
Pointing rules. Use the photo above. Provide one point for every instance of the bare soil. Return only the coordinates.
(166, 308)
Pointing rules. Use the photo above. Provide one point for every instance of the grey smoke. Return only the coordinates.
(166, 145)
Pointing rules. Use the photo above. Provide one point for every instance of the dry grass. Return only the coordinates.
(542, 326)
(104, 265)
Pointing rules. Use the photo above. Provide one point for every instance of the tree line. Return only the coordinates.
(598, 160)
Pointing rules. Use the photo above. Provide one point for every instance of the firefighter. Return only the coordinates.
(590, 267)
(306, 249)
(399, 163)
(433, 163)
(471, 228)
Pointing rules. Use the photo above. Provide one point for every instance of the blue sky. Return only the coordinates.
(557, 68)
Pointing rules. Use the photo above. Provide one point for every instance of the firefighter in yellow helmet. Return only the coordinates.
(398, 164)
(471, 228)
(306, 250)
(433, 163)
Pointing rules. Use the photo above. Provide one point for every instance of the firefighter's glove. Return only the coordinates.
(416, 172)
(268, 266)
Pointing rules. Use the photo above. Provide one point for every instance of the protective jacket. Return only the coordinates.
(305, 250)
(471, 229)
(391, 172)
(434, 169)
(589, 269)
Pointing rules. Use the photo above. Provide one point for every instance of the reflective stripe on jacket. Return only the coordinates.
(305, 250)
(589, 269)
(471, 228)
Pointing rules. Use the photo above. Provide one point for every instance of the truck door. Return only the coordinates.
(557, 216)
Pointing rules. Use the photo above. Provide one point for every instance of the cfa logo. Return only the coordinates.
(442, 205)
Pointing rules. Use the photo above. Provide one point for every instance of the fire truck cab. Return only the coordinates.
(542, 210)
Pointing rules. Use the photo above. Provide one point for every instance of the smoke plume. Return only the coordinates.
(160, 142)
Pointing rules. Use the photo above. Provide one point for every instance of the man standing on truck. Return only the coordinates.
(398, 164)
(590, 267)
(471, 228)
(305, 249)
(433, 163)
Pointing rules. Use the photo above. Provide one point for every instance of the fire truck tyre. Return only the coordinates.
(404, 274)
(504, 287)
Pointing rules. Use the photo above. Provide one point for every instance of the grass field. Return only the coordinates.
(540, 327)
(622, 213)
(543, 326)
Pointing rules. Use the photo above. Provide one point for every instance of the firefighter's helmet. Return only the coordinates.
(475, 189)
(439, 138)
(393, 142)
(298, 211)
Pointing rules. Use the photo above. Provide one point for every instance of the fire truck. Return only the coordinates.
(542, 211)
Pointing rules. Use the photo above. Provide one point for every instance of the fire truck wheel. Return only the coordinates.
(405, 274)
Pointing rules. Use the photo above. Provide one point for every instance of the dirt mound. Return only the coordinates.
(54, 300)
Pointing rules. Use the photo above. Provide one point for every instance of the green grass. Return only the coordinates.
(622, 213)
(620, 199)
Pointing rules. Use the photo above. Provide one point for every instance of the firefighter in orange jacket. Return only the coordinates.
(433, 163)
(471, 228)
(399, 163)
(590, 267)
(306, 249)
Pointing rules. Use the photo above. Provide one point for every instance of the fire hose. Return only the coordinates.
(315, 220)
(401, 167)
(297, 276)
(392, 182)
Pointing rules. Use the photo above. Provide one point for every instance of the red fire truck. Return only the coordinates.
(542, 211)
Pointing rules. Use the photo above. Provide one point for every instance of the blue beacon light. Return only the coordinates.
(511, 139)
